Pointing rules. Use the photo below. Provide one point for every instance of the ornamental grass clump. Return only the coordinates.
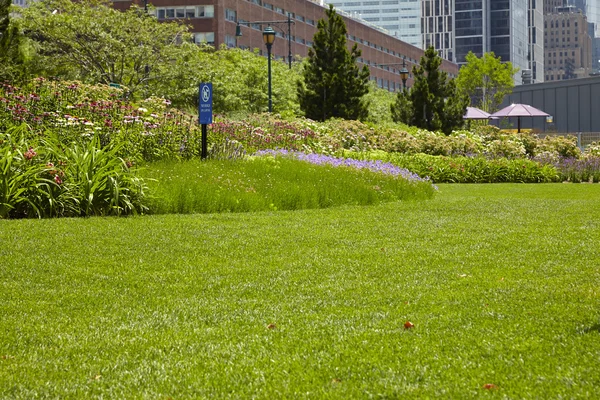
(45, 178)
(277, 180)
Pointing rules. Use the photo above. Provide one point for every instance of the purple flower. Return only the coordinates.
(320, 159)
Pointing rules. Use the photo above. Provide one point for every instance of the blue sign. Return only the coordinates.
(205, 103)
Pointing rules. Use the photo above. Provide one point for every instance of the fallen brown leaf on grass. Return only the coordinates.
(490, 386)
(408, 325)
(271, 326)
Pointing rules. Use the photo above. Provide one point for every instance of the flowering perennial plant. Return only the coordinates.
(261, 132)
(371, 165)
(76, 112)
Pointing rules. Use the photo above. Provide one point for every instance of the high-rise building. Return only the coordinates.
(436, 26)
(484, 26)
(535, 27)
(400, 18)
(551, 5)
(567, 44)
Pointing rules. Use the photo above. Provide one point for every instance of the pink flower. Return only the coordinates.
(58, 180)
(29, 154)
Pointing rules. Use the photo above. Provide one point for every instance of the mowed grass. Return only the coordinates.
(501, 282)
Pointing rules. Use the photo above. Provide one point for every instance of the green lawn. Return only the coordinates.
(502, 283)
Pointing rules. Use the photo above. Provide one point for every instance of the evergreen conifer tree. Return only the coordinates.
(333, 84)
(433, 102)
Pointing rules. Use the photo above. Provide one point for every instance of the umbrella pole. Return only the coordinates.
(519, 125)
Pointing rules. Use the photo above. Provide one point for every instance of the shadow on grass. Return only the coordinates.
(593, 328)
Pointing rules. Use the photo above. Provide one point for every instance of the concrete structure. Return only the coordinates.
(550, 5)
(567, 44)
(214, 21)
(401, 18)
(573, 104)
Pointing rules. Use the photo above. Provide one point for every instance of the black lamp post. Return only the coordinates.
(288, 22)
(404, 74)
(269, 38)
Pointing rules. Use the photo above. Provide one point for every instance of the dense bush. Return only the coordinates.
(461, 169)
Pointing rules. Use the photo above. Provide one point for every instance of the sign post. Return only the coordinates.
(204, 112)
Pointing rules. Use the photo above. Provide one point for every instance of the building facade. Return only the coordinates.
(400, 18)
(215, 22)
(509, 28)
(437, 28)
(535, 54)
(568, 45)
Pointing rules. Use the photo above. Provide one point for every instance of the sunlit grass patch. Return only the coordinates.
(273, 183)
(499, 281)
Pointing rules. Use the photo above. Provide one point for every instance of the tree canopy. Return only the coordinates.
(333, 84)
(14, 50)
(433, 102)
(91, 41)
(486, 80)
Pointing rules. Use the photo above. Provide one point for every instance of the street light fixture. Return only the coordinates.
(269, 38)
(404, 74)
(288, 22)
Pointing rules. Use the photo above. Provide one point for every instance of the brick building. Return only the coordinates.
(214, 21)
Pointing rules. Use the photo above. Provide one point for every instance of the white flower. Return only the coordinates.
(142, 110)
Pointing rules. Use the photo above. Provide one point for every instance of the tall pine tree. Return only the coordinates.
(333, 84)
(433, 102)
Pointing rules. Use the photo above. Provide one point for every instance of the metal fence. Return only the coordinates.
(583, 138)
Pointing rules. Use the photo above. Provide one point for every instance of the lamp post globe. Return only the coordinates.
(404, 74)
(269, 38)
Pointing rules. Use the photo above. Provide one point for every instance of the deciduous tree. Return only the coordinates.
(333, 85)
(91, 41)
(486, 80)
(14, 52)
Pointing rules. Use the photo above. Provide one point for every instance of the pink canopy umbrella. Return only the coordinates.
(519, 110)
(476, 113)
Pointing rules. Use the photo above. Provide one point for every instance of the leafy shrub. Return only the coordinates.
(444, 169)
(593, 149)
(564, 146)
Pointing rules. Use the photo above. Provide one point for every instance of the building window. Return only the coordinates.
(205, 11)
(185, 12)
(230, 41)
(204, 37)
(230, 15)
